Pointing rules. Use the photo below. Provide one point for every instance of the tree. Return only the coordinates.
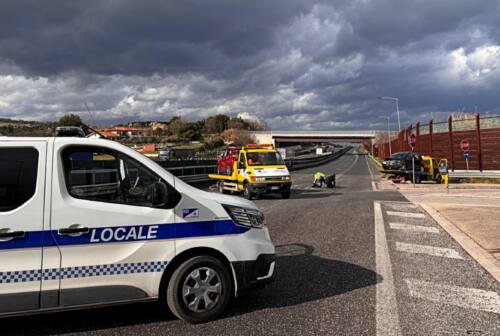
(70, 120)
(190, 131)
(238, 123)
(216, 124)
(175, 126)
(237, 137)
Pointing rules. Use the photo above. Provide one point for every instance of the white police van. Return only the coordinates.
(89, 222)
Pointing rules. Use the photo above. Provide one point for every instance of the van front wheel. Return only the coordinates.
(199, 289)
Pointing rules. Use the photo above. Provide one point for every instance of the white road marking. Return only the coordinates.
(387, 318)
(400, 205)
(414, 228)
(406, 214)
(429, 250)
(369, 168)
(348, 168)
(453, 295)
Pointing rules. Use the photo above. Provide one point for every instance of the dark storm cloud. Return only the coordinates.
(139, 37)
(295, 63)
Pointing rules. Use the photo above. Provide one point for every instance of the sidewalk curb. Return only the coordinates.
(485, 259)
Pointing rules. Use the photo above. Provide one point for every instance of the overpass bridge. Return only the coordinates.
(295, 137)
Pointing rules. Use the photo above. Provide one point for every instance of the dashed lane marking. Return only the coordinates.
(413, 228)
(406, 214)
(453, 295)
(429, 250)
(387, 317)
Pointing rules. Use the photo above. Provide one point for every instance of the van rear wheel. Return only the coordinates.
(199, 289)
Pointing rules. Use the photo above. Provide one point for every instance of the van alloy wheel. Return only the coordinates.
(202, 289)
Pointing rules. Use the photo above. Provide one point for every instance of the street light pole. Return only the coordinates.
(389, 135)
(396, 100)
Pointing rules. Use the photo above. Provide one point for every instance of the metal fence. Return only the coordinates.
(443, 139)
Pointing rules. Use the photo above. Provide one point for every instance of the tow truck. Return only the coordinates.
(259, 169)
(399, 167)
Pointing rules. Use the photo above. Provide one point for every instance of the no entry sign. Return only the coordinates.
(464, 145)
(412, 140)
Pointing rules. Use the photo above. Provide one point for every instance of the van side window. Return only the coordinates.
(18, 175)
(100, 174)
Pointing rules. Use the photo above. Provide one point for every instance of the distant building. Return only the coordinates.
(123, 132)
(110, 135)
(159, 126)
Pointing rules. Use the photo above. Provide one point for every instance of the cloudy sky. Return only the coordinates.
(297, 64)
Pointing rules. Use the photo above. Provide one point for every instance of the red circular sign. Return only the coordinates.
(464, 144)
(412, 140)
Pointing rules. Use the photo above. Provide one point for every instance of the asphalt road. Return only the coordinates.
(350, 263)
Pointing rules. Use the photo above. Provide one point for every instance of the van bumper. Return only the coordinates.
(264, 188)
(254, 274)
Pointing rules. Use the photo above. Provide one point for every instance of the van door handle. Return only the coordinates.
(73, 230)
(9, 234)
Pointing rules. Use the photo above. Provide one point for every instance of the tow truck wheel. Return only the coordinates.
(247, 193)
(199, 289)
(220, 187)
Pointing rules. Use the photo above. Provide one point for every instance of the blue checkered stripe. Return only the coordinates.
(82, 271)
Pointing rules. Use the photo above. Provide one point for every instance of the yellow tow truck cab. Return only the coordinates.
(258, 169)
(431, 167)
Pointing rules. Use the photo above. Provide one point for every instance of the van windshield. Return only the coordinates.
(264, 159)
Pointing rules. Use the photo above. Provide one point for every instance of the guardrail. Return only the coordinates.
(475, 174)
(297, 164)
(199, 173)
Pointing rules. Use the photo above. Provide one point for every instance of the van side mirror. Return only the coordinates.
(159, 195)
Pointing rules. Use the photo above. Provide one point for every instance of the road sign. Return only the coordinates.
(464, 144)
(466, 154)
(412, 141)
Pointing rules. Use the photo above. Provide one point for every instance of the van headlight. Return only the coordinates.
(245, 216)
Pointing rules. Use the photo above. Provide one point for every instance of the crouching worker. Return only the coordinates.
(330, 181)
(319, 179)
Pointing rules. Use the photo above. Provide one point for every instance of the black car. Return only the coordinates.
(401, 162)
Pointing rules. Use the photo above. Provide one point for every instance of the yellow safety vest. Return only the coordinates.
(318, 175)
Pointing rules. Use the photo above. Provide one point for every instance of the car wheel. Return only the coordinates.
(199, 289)
(285, 195)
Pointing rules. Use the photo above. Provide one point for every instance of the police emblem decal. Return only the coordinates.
(190, 213)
